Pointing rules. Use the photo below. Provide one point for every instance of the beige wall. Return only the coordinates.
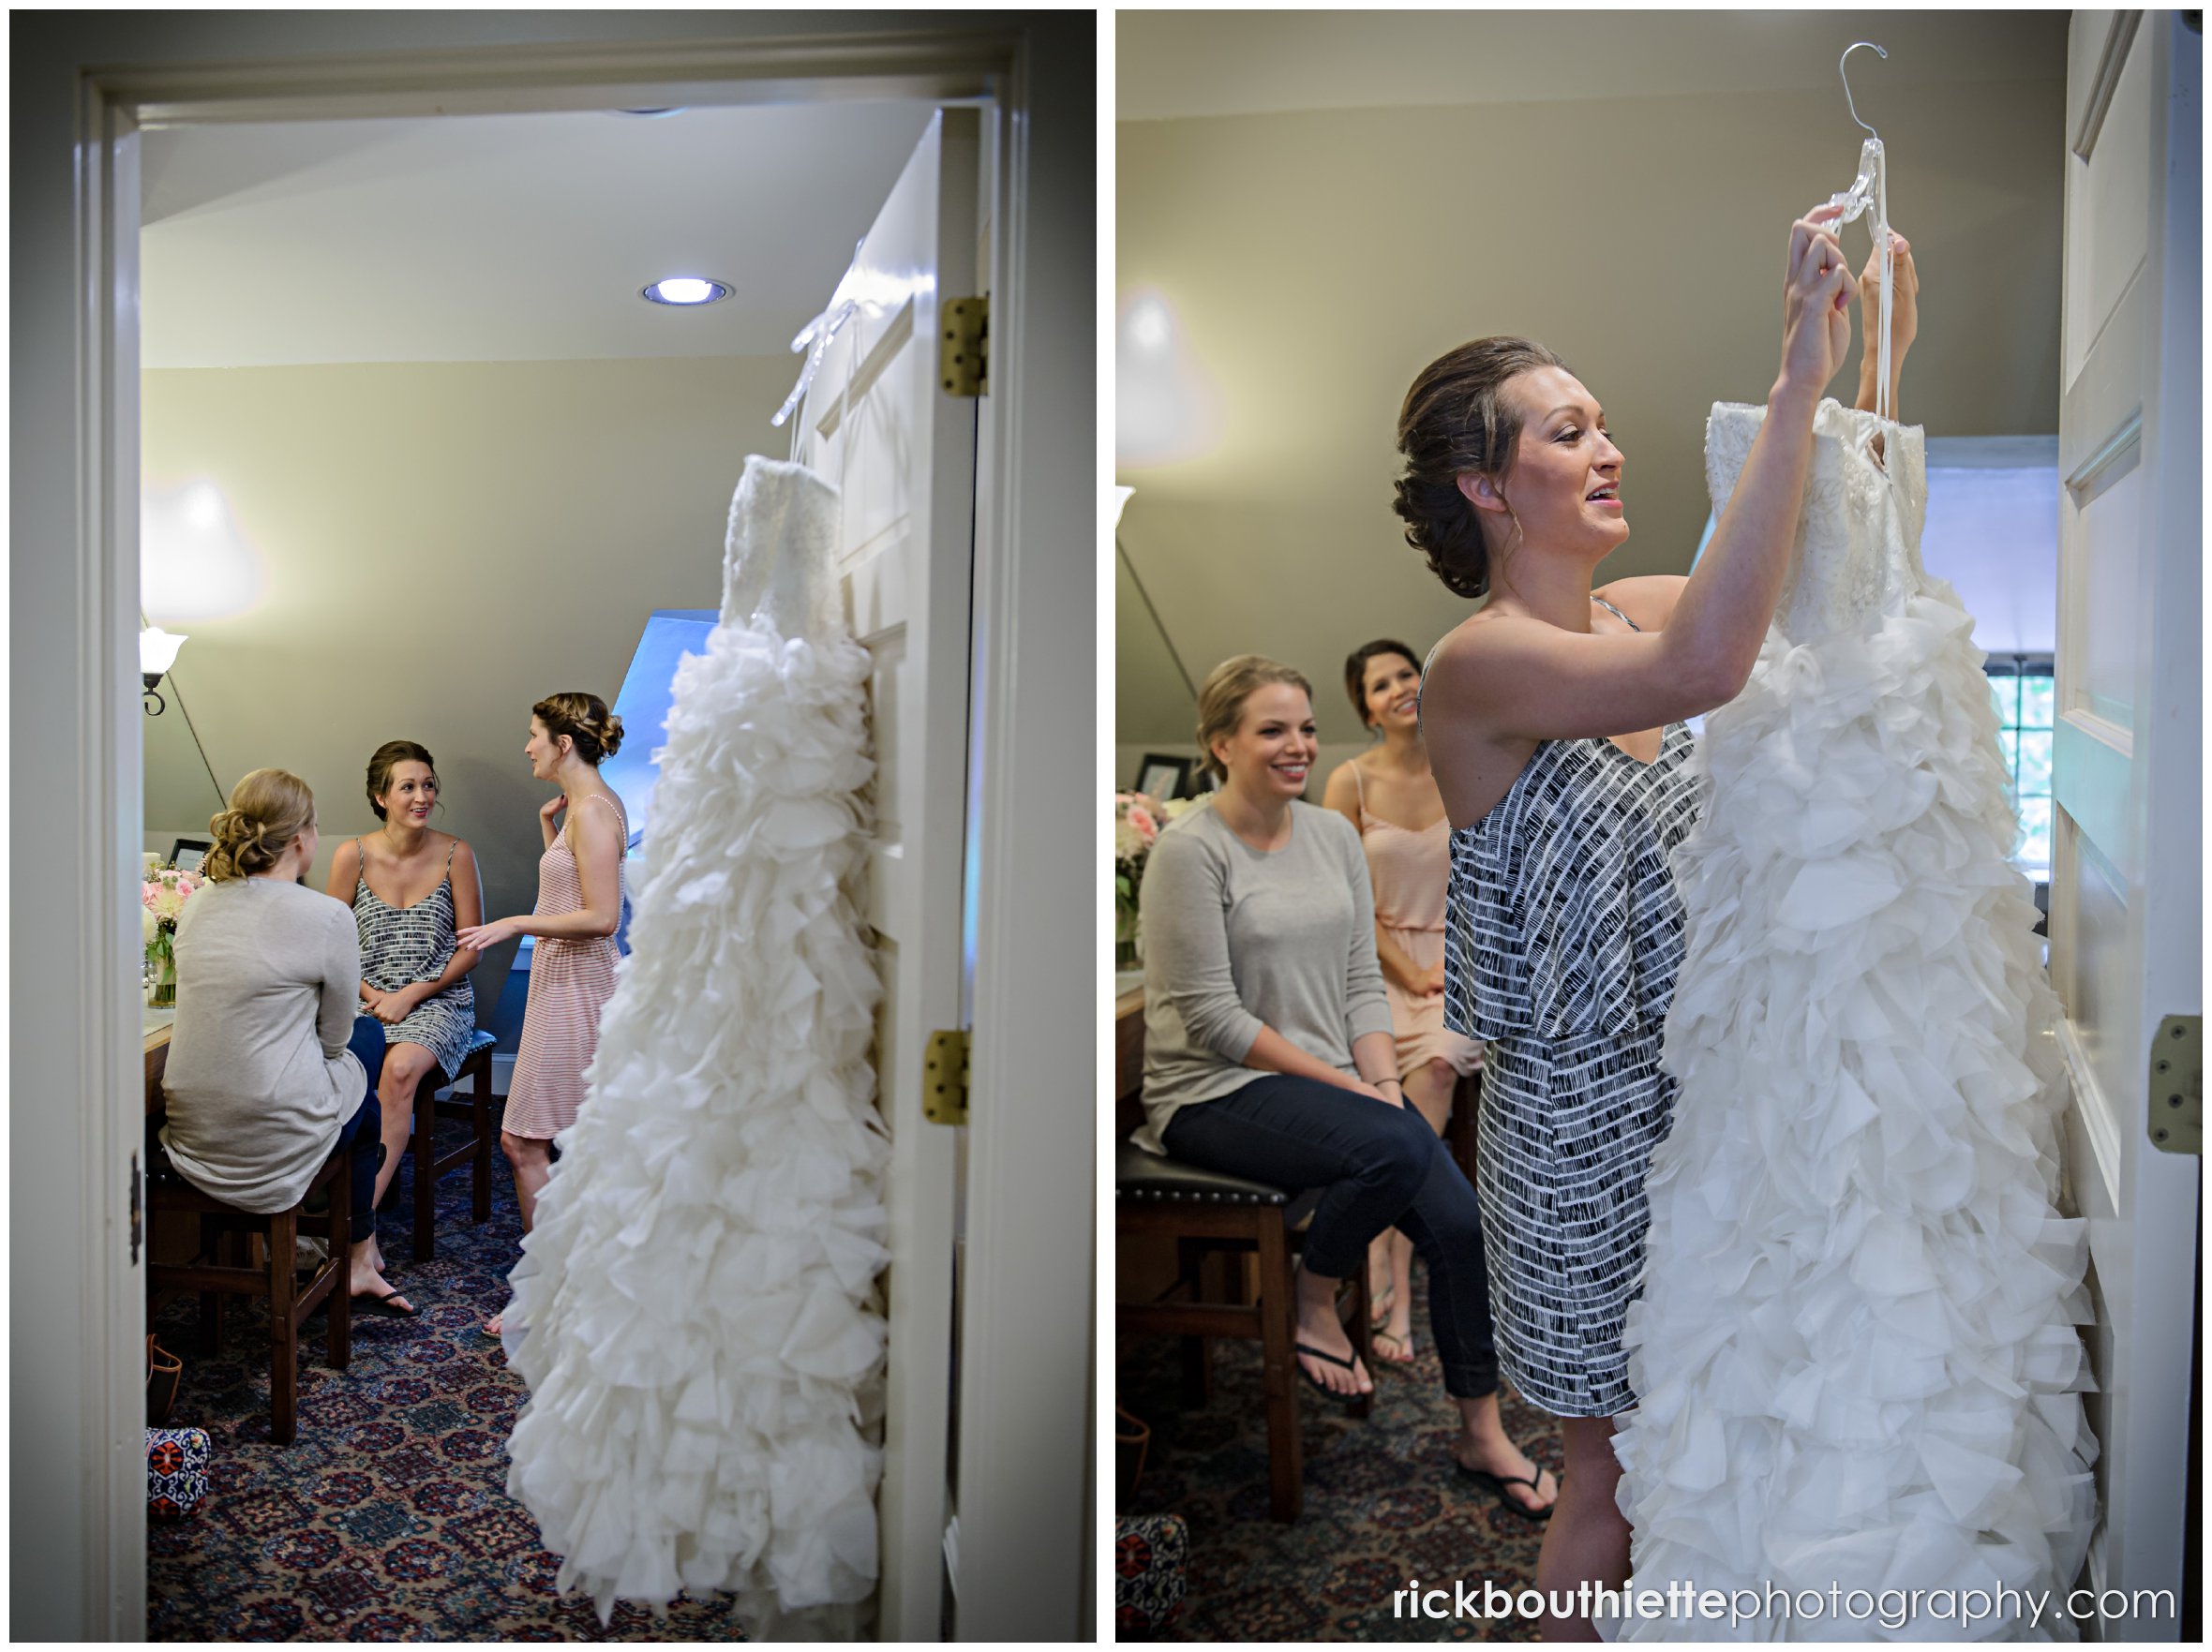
(442, 545)
(1317, 261)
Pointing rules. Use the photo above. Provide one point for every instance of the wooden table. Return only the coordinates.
(156, 1063)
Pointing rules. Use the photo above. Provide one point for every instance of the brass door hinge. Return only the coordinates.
(963, 346)
(2177, 1085)
(945, 1077)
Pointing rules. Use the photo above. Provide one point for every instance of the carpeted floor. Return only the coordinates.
(387, 1518)
(1384, 1506)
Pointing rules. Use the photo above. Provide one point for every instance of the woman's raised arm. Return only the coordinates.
(1535, 680)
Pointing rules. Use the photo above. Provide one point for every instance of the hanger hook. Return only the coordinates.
(1844, 74)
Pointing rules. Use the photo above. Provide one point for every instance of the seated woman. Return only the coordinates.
(1268, 1050)
(414, 974)
(1383, 792)
(269, 1071)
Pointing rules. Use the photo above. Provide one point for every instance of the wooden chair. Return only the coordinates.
(422, 1143)
(1204, 1211)
(290, 1302)
(1467, 1096)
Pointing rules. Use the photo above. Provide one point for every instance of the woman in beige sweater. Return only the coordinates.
(270, 1072)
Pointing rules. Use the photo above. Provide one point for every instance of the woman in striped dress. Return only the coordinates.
(1554, 718)
(572, 970)
(412, 891)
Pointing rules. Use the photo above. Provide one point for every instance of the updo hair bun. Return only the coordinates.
(268, 808)
(1455, 422)
(387, 757)
(584, 718)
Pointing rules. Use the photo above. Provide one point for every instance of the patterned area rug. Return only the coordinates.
(387, 1519)
(1384, 1506)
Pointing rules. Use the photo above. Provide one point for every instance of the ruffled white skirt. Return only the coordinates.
(696, 1310)
(1854, 1352)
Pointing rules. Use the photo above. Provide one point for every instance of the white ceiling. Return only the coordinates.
(1174, 64)
(505, 237)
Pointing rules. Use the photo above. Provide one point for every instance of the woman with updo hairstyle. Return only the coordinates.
(1269, 1053)
(571, 970)
(271, 1072)
(411, 889)
(1554, 718)
(1390, 797)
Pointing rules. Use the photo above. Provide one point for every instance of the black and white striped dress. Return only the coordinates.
(1561, 945)
(403, 944)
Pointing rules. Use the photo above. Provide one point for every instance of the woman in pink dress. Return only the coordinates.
(572, 972)
(1389, 794)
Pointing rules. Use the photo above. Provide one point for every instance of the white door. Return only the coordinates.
(2126, 896)
(878, 424)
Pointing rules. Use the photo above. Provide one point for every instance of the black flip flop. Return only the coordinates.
(1314, 1382)
(1497, 1482)
(382, 1306)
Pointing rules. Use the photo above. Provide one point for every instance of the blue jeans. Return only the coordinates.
(366, 1127)
(1379, 1167)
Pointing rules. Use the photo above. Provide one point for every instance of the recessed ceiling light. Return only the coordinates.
(685, 290)
(647, 113)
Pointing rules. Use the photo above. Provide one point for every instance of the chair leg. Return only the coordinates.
(479, 1071)
(1198, 1351)
(284, 1329)
(422, 1146)
(1361, 1332)
(211, 1302)
(338, 1347)
(1286, 1477)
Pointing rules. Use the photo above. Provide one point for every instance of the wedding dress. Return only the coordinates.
(1855, 1355)
(696, 1310)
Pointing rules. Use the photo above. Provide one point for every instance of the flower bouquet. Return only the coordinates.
(1137, 823)
(162, 900)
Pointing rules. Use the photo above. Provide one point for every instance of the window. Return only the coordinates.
(2022, 685)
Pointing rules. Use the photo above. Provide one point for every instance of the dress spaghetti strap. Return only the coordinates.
(1361, 786)
(1615, 613)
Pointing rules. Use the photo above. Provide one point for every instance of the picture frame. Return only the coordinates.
(186, 854)
(1163, 777)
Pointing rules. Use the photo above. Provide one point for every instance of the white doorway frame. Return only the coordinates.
(1034, 549)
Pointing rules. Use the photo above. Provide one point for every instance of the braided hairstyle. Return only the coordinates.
(269, 808)
(1455, 421)
(584, 718)
(387, 757)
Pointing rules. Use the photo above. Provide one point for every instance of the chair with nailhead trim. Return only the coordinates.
(1205, 1212)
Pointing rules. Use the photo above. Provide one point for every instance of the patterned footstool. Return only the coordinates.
(1151, 1551)
(176, 1471)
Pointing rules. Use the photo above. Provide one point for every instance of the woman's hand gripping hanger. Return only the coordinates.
(1869, 193)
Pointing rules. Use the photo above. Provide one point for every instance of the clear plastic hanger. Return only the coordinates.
(1869, 196)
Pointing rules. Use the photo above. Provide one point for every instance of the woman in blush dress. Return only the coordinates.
(414, 973)
(571, 970)
(1390, 797)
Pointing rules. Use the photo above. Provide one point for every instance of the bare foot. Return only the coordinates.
(492, 1326)
(1318, 1327)
(1499, 1456)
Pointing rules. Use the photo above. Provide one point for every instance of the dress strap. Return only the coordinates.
(449, 849)
(1360, 785)
(623, 819)
(1615, 612)
(361, 871)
